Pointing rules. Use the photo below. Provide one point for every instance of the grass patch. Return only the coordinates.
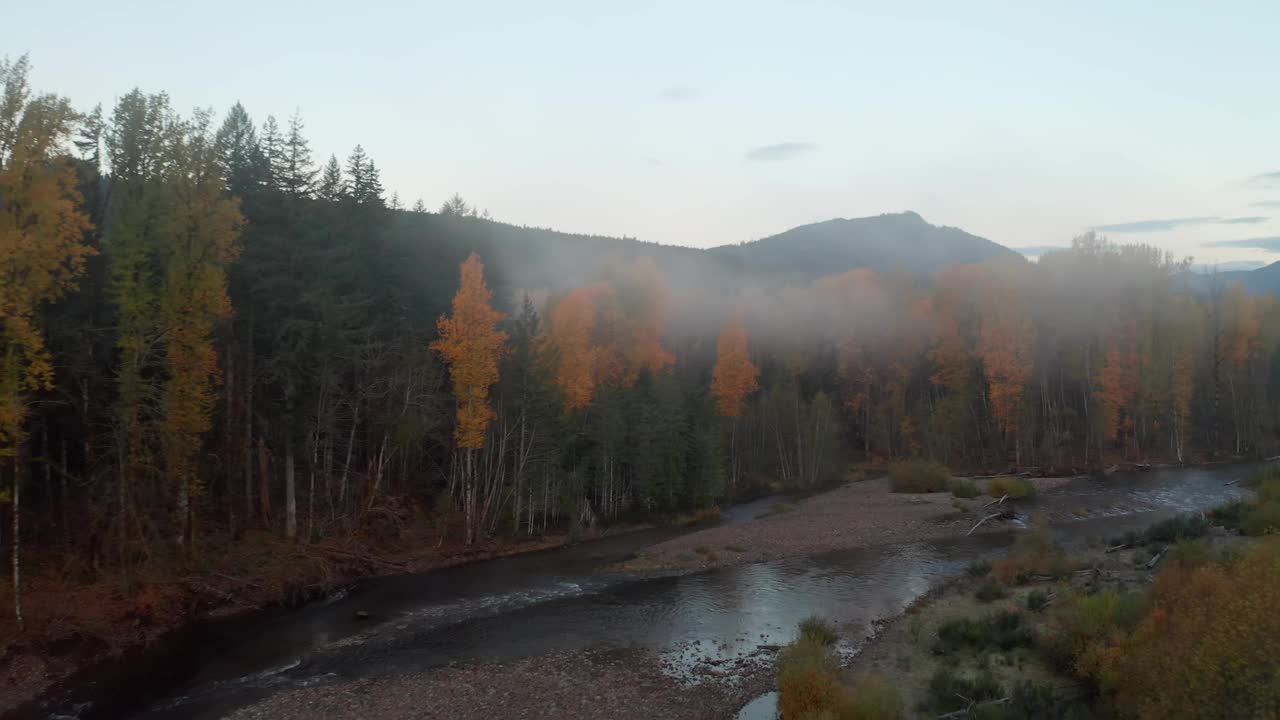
(871, 699)
(1015, 487)
(1181, 527)
(949, 691)
(1002, 630)
(815, 629)
(918, 476)
(963, 488)
(735, 548)
(702, 550)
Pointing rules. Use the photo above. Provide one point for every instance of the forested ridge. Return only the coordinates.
(205, 332)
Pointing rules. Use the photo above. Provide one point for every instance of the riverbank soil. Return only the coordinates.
(70, 623)
(624, 684)
(858, 514)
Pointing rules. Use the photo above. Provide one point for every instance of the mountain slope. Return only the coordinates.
(899, 241)
(1263, 281)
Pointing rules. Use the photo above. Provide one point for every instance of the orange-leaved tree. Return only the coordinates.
(732, 380)
(1117, 389)
(471, 345)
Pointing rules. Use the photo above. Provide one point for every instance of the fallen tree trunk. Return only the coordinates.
(975, 527)
(1152, 562)
(997, 502)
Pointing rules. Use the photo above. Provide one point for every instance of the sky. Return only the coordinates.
(708, 123)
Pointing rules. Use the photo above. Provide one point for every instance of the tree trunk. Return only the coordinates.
(264, 484)
(17, 536)
(248, 425)
(290, 499)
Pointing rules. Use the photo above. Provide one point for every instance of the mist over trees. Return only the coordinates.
(207, 331)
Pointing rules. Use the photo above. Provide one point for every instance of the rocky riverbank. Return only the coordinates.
(626, 684)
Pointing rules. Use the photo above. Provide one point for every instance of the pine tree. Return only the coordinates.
(297, 174)
(332, 187)
(241, 157)
(273, 154)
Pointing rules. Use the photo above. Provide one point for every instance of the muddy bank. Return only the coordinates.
(859, 514)
(80, 633)
(587, 685)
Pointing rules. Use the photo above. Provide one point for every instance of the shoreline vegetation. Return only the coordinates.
(1173, 621)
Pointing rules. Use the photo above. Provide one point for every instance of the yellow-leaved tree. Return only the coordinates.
(733, 378)
(472, 345)
(42, 253)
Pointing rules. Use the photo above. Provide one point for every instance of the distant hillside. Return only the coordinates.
(1263, 281)
(901, 241)
(537, 259)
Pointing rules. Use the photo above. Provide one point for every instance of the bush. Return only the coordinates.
(1032, 554)
(817, 630)
(918, 476)
(963, 488)
(1081, 622)
(807, 679)
(1181, 527)
(871, 699)
(989, 591)
(1032, 700)
(1015, 487)
(949, 691)
(978, 568)
(1002, 630)
(1209, 649)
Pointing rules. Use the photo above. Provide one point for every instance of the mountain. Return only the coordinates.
(523, 258)
(1263, 281)
(898, 241)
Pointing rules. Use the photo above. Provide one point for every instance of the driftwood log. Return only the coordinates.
(1152, 562)
(997, 502)
(969, 710)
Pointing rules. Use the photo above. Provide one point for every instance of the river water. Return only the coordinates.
(530, 604)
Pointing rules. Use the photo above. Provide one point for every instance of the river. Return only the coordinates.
(531, 604)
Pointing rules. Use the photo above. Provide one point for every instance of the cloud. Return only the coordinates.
(1140, 226)
(1270, 244)
(1032, 251)
(1144, 226)
(1266, 204)
(781, 151)
(679, 93)
(1267, 178)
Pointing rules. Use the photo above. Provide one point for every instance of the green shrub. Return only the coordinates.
(963, 488)
(949, 691)
(817, 630)
(1031, 699)
(1181, 527)
(1231, 514)
(918, 476)
(1263, 519)
(1269, 475)
(1002, 630)
(1192, 553)
(978, 568)
(1038, 600)
(1015, 487)
(989, 591)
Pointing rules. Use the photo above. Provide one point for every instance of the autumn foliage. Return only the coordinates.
(472, 345)
(734, 376)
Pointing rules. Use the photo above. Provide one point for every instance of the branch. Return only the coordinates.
(997, 502)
